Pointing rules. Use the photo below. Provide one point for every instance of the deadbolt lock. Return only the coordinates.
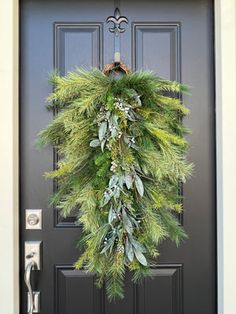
(33, 219)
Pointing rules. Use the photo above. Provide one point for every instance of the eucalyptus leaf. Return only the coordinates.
(111, 215)
(114, 121)
(137, 245)
(128, 181)
(131, 116)
(114, 132)
(118, 208)
(140, 257)
(116, 192)
(121, 181)
(127, 222)
(94, 143)
(103, 142)
(139, 185)
(102, 130)
(106, 198)
(113, 181)
(108, 114)
(129, 250)
(138, 101)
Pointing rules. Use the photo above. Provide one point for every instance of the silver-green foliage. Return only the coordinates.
(122, 159)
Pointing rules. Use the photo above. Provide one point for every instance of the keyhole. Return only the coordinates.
(32, 219)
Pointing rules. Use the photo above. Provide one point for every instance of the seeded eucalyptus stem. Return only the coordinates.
(122, 157)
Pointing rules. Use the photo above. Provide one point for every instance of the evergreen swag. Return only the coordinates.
(122, 157)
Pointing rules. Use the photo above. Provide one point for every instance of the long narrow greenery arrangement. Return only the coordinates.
(122, 157)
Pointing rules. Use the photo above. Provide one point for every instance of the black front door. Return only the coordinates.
(174, 38)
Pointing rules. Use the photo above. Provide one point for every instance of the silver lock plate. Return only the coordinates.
(33, 253)
(36, 297)
(33, 218)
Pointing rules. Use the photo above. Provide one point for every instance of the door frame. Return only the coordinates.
(225, 76)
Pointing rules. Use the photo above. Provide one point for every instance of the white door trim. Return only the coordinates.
(225, 64)
(9, 184)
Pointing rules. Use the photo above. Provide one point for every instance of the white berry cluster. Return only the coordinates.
(114, 165)
(120, 248)
(121, 105)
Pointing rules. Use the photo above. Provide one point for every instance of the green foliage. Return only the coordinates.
(122, 158)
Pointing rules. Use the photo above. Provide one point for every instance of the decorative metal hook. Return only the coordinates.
(117, 19)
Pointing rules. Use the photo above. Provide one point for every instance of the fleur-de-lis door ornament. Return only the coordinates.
(117, 19)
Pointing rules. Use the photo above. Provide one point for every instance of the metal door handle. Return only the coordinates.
(32, 262)
(31, 265)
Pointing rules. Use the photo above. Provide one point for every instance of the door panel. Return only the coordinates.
(84, 39)
(173, 38)
(157, 39)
